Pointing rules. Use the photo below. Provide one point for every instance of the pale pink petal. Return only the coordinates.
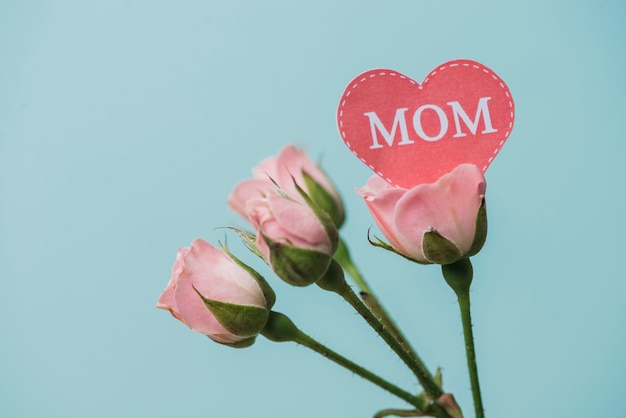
(295, 163)
(302, 227)
(375, 184)
(284, 171)
(167, 300)
(246, 190)
(216, 277)
(381, 199)
(192, 309)
(414, 216)
(288, 170)
(465, 188)
(227, 338)
(283, 220)
(258, 212)
(266, 168)
(449, 206)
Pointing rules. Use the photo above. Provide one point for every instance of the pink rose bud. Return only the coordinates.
(431, 223)
(297, 240)
(213, 293)
(290, 168)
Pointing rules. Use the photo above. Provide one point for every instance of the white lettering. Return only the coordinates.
(457, 111)
(417, 122)
(376, 124)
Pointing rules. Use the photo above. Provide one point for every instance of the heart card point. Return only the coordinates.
(412, 133)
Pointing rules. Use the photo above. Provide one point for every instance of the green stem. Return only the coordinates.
(342, 255)
(334, 281)
(398, 413)
(470, 352)
(369, 298)
(459, 276)
(280, 329)
(377, 309)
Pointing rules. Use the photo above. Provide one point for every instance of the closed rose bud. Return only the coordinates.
(432, 223)
(297, 240)
(215, 294)
(289, 169)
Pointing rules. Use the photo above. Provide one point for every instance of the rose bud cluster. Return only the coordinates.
(438, 223)
(295, 212)
(213, 293)
(289, 170)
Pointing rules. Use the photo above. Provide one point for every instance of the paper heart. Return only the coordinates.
(411, 134)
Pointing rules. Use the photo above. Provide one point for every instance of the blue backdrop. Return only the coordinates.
(125, 124)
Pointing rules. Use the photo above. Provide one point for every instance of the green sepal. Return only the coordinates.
(324, 218)
(438, 249)
(480, 236)
(439, 378)
(266, 289)
(324, 200)
(241, 320)
(249, 240)
(382, 244)
(447, 402)
(239, 344)
(297, 266)
(425, 401)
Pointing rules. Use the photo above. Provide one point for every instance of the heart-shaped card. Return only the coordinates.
(411, 133)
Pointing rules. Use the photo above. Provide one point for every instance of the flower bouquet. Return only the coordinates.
(295, 216)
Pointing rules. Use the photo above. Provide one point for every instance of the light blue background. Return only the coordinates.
(125, 124)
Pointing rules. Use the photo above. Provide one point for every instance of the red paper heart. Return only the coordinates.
(411, 134)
